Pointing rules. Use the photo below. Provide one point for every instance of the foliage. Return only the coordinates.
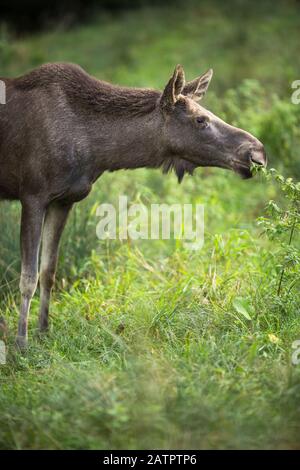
(282, 224)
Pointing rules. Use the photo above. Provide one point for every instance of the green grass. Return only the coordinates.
(148, 347)
(238, 39)
(142, 355)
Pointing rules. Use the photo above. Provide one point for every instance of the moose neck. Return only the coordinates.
(124, 127)
(133, 143)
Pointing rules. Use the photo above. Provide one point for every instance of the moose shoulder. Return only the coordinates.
(60, 129)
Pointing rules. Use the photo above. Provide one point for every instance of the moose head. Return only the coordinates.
(199, 138)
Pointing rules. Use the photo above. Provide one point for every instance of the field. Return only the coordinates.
(153, 345)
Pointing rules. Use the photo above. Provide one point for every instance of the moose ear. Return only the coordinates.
(173, 88)
(197, 88)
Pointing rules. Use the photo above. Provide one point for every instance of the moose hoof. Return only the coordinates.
(21, 343)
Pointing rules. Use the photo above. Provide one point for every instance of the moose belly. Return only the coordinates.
(77, 191)
(9, 189)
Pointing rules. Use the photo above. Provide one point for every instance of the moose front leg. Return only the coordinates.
(31, 229)
(55, 220)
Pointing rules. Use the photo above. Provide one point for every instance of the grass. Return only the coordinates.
(150, 345)
(148, 356)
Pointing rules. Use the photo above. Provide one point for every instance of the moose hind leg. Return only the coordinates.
(55, 220)
(31, 228)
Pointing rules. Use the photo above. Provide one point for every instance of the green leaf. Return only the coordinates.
(243, 307)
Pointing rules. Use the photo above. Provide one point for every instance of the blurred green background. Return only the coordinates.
(150, 346)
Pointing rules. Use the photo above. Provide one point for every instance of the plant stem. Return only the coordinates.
(289, 243)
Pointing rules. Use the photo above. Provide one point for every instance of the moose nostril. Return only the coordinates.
(258, 157)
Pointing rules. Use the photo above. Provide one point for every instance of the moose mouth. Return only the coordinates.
(244, 171)
(253, 157)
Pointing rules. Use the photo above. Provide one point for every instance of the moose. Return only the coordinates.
(60, 129)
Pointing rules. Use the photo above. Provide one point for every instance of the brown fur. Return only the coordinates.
(83, 90)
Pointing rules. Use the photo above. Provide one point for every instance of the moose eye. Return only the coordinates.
(202, 121)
